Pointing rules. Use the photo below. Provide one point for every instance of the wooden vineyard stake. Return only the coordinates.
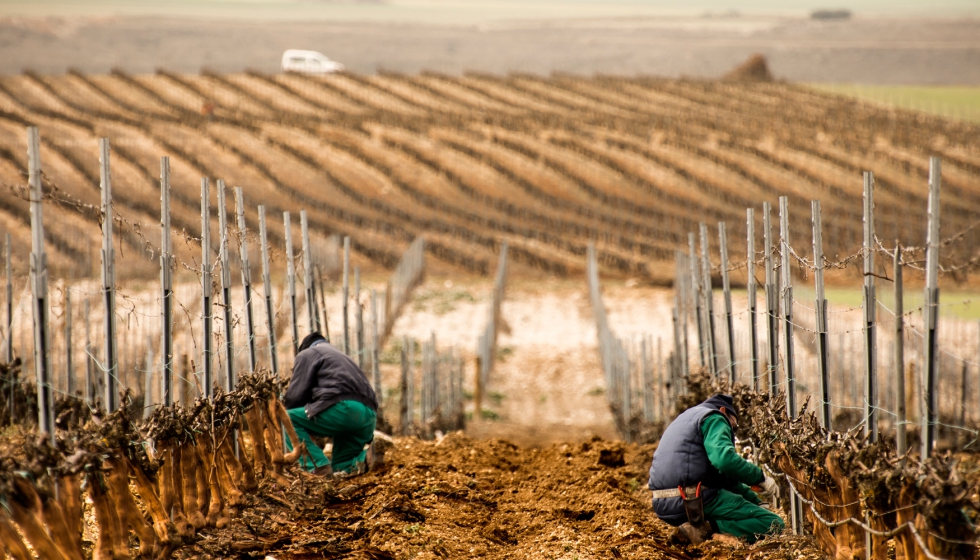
(403, 388)
(930, 312)
(487, 342)
(39, 288)
(375, 351)
(708, 309)
(660, 380)
(727, 287)
(675, 319)
(787, 291)
(9, 343)
(647, 375)
(407, 276)
(433, 382)
(111, 365)
(226, 302)
(346, 295)
(901, 439)
(270, 314)
(69, 368)
(696, 298)
(308, 273)
(246, 277)
(206, 287)
(166, 282)
(680, 315)
(90, 390)
(359, 318)
(750, 289)
(772, 301)
(291, 282)
(869, 304)
(323, 298)
(148, 380)
(681, 308)
(821, 318)
(410, 389)
(626, 397)
(425, 406)
(676, 314)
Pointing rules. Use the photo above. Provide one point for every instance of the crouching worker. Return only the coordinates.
(700, 483)
(329, 396)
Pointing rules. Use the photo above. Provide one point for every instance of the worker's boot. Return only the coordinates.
(689, 534)
(325, 471)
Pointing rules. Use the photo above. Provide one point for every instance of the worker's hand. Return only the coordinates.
(768, 488)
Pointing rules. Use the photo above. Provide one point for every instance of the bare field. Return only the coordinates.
(870, 49)
(547, 164)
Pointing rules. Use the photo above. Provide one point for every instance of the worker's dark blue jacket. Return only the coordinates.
(681, 460)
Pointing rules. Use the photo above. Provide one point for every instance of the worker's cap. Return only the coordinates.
(310, 339)
(721, 400)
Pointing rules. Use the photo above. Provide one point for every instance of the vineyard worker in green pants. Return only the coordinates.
(329, 396)
(700, 483)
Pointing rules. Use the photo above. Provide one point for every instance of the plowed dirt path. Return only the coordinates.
(465, 498)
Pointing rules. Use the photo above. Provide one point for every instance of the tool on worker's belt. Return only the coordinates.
(693, 505)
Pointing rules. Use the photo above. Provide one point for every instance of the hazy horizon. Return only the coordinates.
(474, 12)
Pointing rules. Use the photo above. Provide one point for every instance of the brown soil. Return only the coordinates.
(464, 498)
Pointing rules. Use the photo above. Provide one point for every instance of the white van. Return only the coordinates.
(310, 62)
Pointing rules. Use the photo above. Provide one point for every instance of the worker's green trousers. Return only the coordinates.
(349, 424)
(734, 515)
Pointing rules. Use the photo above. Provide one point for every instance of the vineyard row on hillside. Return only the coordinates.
(546, 164)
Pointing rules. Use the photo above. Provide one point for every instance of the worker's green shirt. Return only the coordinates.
(717, 434)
